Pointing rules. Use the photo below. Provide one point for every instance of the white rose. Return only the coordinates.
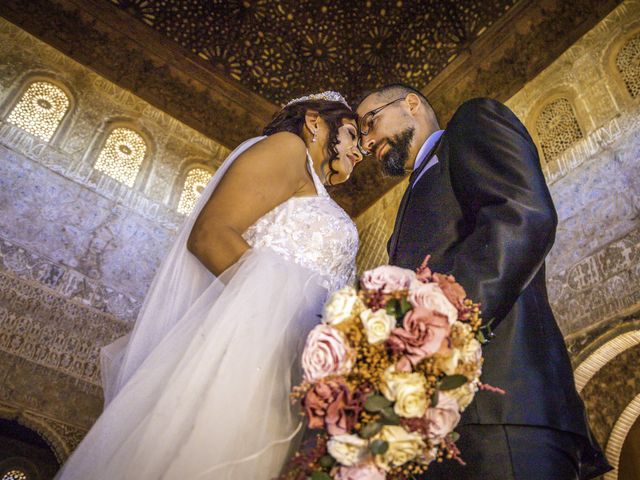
(377, 325)
(348, 450)
(407, 390)
(403, 446)
(448, 362)
(390, 381)
(464, 394)
(472, 351)
(340, 305)
(411, 399)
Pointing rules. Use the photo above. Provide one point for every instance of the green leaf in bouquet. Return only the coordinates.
(405, 306)
(320, 476)
(327, 461)
(376, 403)
(480, 337)
(392, 307)
(370, 429)
(379, 447)
(454, 436)
(487, 330)
(389, 416)
(452, 381)
(435, 398)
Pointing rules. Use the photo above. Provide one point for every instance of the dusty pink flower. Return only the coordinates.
(329, 404)
(388, 278)
(424, 332)
(361, 472)
(442, 418)
(451, 289)
(423, 274)
(326, 353)
(431, 296)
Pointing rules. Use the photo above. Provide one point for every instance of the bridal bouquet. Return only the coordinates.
(386, 375)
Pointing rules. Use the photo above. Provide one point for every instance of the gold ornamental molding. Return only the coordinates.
(586, 370)
(63, 438)
(619, 434)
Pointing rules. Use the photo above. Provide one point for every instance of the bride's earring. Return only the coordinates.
(315, 136)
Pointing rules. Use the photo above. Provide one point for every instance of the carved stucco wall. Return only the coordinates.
(78, 249)
(593, 270)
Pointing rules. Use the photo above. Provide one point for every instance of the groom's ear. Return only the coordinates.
(311, 120)
(414, 103)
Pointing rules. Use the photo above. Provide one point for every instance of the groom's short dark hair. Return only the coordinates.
(392, 91)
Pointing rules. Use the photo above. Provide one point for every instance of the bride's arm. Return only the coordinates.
(263, 177)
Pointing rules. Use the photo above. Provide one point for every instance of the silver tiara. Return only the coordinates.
(329, 96)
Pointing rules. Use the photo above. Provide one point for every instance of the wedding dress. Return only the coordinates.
(199, 389)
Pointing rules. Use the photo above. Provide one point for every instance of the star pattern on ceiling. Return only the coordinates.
(281, 49)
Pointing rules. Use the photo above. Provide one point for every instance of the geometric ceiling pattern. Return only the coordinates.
(177, 54)
(283, 48)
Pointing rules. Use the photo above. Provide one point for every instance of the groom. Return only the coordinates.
(477, 202)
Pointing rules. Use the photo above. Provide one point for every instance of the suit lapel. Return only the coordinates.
(393, 241)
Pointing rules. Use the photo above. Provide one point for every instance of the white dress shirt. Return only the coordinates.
(422, 153)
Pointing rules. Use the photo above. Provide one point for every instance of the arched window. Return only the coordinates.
(122, 154)
(15, 474)
(557, 128)
(40, 110)
(628, 64)
(194, 184)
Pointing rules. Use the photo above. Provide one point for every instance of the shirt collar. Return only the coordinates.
(426, 146)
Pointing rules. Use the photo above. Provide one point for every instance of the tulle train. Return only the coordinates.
(211, 399)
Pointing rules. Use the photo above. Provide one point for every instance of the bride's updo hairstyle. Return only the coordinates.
(292, 117)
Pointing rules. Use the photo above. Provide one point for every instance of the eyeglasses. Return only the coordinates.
(364, 125)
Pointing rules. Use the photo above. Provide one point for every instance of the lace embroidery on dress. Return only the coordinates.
(314, 232)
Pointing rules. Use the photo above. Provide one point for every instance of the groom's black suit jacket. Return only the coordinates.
(485, 215)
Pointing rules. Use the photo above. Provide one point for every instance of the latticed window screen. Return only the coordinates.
(15, 475)
(122, 155)
(628, 64)
(40, 110)
(194, 184)
(557, 128)
(373, 246)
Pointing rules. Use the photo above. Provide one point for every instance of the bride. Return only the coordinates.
(199, 389)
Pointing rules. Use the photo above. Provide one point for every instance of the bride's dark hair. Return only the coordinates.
(291, 119)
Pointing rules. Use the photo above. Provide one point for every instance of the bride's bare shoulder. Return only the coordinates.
(276, 153)
(283, 144)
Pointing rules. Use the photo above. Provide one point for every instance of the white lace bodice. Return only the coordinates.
(314, 232)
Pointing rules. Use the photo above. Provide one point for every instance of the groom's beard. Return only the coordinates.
(394, 161)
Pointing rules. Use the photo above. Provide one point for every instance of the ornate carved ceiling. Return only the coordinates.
(222, 66)
(281, 48)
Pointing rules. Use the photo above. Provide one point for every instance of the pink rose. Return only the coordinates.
(443, 418)
(388, 278)
(424, 333)
(325, 353)
(330, 404)
(361, 472)
(451, 289)
(431, 296)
